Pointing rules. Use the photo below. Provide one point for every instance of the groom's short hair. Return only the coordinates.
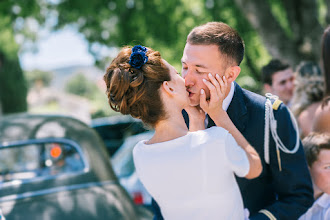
(218, 33)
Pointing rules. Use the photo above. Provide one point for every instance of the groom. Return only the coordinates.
(284, 188)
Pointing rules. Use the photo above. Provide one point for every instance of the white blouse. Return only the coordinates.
(192, 177)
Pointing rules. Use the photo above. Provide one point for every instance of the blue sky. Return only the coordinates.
(59, 49)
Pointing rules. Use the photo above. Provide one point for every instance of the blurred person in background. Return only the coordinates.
(308, 94)
(317, 151)
(278, 79)
(322, 116)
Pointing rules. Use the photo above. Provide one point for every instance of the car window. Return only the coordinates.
(31, 160)
(122, 160)
(114, 133)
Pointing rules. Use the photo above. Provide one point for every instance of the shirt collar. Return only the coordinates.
(227, 100)
(323, 200)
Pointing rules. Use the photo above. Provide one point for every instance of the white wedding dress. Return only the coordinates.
(192, 177)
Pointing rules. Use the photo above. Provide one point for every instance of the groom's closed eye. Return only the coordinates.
(201, 72)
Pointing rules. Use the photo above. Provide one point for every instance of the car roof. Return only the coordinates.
(25, 127)
(113, 120)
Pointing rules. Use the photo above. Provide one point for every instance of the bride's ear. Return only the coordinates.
(167, 87)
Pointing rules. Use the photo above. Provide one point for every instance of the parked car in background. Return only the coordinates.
(56, 167)
(113, 130)
(120, 133)
(123, 165)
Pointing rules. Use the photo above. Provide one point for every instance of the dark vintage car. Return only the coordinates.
(115, 129)
(120, 133)
(123, 165)
(56, 167)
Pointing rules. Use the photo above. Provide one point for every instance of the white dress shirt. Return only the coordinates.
(227, 100)
(320, 209)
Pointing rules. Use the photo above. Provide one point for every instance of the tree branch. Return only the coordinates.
(259, 14)
(293, 16)
(327, 2)
(254, 71)
(302, 15)
(310, 30)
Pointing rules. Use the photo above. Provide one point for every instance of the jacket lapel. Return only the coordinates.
(237, 110)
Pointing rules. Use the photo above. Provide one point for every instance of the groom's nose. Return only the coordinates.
(188, 79)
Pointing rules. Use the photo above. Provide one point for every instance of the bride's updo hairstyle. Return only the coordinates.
(133, 80)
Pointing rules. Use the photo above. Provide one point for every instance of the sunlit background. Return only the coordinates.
(72, 75)
(53, 53)
(59, 49)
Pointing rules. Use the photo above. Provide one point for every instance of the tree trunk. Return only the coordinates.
(302, 19)
(327, 2)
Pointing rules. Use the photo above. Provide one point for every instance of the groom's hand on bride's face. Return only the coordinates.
(217, 86)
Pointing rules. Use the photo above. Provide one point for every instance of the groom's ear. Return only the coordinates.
(167, 87)
(232, 73)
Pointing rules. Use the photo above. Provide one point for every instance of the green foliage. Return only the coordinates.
(37, 76)
(322, 12)
(13, 89)
(281, 16)
(255, 53)
(80, 85)
(100, 106)
(14, 17)
(162, 25)
(8, 46)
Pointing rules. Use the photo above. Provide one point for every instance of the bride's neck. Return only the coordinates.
(169, 129)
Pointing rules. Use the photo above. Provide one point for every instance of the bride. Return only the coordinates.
(190, 173)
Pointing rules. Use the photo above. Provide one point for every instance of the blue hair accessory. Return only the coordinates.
(138, 56)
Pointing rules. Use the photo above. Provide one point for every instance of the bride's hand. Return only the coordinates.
(213, 107)
(196, 118)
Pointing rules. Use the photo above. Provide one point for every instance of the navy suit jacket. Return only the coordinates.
(286, 194)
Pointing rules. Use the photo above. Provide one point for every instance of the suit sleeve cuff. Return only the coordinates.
(263, 214)
(268, 214)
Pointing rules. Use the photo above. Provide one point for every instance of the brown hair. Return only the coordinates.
(313, 144)
(136, 91)
(309, 86)
(275, 65)
(218, 33)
